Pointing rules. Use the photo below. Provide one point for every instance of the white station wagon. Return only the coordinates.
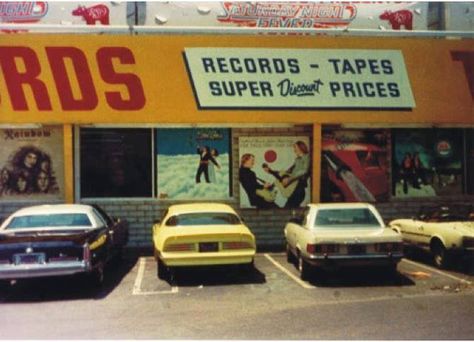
(341, 234)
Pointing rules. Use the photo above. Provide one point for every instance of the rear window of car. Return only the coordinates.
(356, 217)
(199, 219)
(52, 220)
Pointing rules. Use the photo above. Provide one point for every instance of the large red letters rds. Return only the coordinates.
(86, 97)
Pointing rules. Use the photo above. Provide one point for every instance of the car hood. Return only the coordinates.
(356, 235)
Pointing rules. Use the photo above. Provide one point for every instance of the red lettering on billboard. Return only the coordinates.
(136, 95)
(21, 68)
(88, 96)
(16, 79)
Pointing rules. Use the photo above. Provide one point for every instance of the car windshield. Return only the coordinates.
(199, 219)
(447, 214)
(52, 220)
(346, 218)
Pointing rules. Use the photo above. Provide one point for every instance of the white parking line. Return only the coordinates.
(288, 273)
(137, 287)
(438, 271)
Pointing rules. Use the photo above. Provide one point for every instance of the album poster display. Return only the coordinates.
(427, 163)
(193, 163)
(354, 166)
(32, 164)
(274, 171)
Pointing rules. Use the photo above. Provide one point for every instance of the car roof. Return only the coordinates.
(54, 209)
(177, 209)
(340, 205)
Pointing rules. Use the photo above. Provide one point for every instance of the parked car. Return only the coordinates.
(201, 234)
(332, 235)
(58, 240)
(443, 230)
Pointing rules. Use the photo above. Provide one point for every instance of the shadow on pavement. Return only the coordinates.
(354, 277)
(217, 276)
(464, 265)
(68, 287)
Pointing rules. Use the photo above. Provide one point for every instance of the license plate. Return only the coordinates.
(208, 247)
(356, 249)
(30, 258)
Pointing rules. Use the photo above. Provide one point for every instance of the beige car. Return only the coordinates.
(444, 231)
(341, 234)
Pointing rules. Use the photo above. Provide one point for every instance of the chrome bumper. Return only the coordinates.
(348, 260)
(12, 271)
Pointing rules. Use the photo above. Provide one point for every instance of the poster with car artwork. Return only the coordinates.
(427, 162)
(31, 164)
(274, 172)
(193, 163)
(354, 166)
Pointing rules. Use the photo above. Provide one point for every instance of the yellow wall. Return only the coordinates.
(438, 83)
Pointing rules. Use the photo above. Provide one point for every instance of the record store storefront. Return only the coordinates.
(136, 123)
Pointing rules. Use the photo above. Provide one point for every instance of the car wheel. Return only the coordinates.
(163, 271)
(290, 257)
(440, 255)
(303, 268)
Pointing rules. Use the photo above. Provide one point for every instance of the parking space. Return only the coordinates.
(231, 302)
(273, 274)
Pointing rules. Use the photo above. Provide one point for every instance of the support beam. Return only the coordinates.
(68, 163)
(316, 158)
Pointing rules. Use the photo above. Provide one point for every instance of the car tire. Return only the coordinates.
(290, 257)
(162, 271)
(303, 267)
(440, 255)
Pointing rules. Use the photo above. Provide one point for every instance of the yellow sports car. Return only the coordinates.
(201, 234)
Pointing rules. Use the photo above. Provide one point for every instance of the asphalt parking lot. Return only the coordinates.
(269, 302)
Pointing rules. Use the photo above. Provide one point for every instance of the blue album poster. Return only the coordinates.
(193, 163)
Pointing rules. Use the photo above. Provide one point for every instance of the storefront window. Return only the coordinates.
(116, 162)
